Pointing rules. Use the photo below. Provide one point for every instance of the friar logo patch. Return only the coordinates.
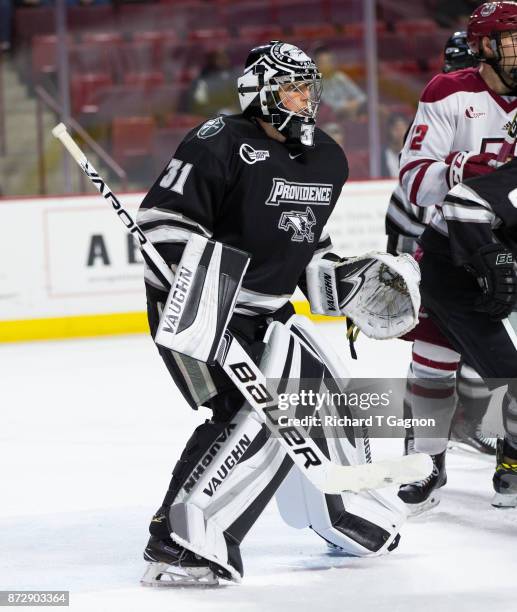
(210, 128)
(286, 192)
(300, 223)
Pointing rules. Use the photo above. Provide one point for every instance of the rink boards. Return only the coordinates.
(68, 269)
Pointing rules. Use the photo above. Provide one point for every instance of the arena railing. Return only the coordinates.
(43, 98)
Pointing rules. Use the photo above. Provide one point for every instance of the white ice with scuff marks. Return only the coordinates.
(89, 433)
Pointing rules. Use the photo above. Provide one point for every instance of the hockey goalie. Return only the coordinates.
(239, 215)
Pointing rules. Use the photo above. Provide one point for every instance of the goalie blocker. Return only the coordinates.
(202, 298)
(378, 291)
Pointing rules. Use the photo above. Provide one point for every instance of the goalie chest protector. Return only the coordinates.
(246, 190)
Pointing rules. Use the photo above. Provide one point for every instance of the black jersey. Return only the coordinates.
(230, 182)
(475, 213)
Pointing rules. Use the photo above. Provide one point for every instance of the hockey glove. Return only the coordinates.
(378, 291)
(494, 269)
(467, 164)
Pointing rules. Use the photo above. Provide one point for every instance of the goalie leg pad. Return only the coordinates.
(202, 298)
(227, 475)
(221, 485)
(364, 524)
(229, 471)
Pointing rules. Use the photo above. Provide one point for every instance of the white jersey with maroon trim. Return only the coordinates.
(457, 112)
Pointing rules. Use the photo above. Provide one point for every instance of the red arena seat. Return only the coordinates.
(393, 46)
(212, 36)
(314, 31)
(156, 39)
(43, 55)
(131, 139)
(430, 45)
(90, 57)
(257, 13)
(138, 56)
(288, 12)
(350, 11)
(127, 100)
(33, 21)
(91, 17)
(102, 38)
(356, 30)
(83, 89)
(416, 26)
(260, 33)
(146, 80)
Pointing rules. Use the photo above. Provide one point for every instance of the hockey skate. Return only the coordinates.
(424, 494)
(505, 478)
(469, 437)
(172, 565)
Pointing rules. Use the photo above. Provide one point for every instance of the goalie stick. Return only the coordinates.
(327, 476)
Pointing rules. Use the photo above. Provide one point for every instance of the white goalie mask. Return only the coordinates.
(282, 85)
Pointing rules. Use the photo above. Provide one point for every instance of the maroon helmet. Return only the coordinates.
(490, 19)
(493, 19)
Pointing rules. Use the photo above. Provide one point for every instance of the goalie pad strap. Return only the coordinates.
(202, 298)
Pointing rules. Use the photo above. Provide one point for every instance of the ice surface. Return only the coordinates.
(89, 433)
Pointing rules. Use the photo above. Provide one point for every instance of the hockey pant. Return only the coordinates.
(489, 347)
(231, 466)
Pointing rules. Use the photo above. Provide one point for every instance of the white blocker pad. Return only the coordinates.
(202, 298)
(378, 291)
(360, 524)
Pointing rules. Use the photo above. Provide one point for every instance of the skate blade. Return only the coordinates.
(164, 575)
(418, 509)
(504, 500)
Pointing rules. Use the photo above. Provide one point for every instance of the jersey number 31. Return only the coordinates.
(176, 175)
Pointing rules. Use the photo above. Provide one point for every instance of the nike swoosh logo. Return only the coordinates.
(294, 156)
